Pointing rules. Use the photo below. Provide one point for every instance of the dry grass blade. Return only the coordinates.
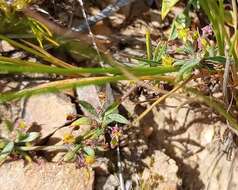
(48, 56)
(161, 99)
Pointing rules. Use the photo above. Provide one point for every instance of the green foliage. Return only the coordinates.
(77, 148)
(187, 67)
(86, 153)
(158, 64)
(81, 121)
(6, 151)
(114, 117)
(148, 45)
(16, 139)
(41, 32)
(26, 137)
(217, 15)
(167, 5)
(107, 116)
(9, 8)
(88, 107)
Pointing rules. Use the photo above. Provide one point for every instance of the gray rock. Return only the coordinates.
(100, 97)
(90, 95)
(101, 166)
(45, 176)
(107, 183)
(47, 111)
(161, 172)
(6, 47)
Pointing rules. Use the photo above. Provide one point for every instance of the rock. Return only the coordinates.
(218, 165)
(99, 97)
(47, 112)
(107, 183)
(18, 55)
(15, 175)
(161, 172)
(90, 95)
(6, 47)
(101, 166)
(190, 132)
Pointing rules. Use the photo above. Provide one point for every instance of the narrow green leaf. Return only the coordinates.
(187, 67)
(72, 83)
(8, 126)
(6, 66)
(173, 31)
(216, 59)
(6, 151)
(148, 45)
(89, 151)
(70, 156)
(28, 137)
(81, 121)
(111, 109)
(167, 5)
(88, 107)
(115, 117)
(159, 51)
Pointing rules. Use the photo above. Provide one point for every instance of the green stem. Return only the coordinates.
(211, 102)
(44, 148)
(66, 84)
(137, 71)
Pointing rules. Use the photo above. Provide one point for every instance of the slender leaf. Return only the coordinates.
(167, 5)
(89, 151)
(70, 156)
(81, 121)
(88, 107)
(216, 59)
(148, 45)
(6, 151)
(115, 117)
(8, 126)
(111, 109)
(28, 137)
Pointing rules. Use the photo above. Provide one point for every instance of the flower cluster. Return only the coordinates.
(203, 40)
(69, 138)
(167, 60)
(116, 133)
(185, 35)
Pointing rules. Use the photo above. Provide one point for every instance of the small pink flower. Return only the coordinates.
(80, 162)
(199, 43)
(207, 31)
(116, 132)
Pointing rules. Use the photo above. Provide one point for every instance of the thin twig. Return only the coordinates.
(226, 77)
(105, 13)
(120, 170)
(160, 99)
(90, 32)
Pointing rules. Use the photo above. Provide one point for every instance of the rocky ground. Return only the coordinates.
(179, 145)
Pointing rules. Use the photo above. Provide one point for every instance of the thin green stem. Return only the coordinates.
(211, 102)
(33, 68)
(66, 84)
(44, 148)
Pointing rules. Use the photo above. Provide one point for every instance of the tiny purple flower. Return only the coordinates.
(80, 162)
(116, 132)
(207, 31)
(199, 43)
